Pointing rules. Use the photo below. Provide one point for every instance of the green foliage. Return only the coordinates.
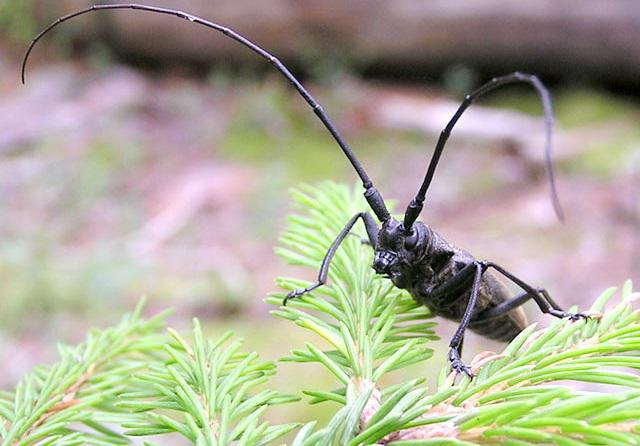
(574, 383)
(80, 388)
(523, 395)
(210, 385)
(137, 377)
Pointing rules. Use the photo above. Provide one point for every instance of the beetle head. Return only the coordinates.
(393, 244)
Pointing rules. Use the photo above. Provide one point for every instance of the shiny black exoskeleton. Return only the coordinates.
(446, 279)
(422, 261)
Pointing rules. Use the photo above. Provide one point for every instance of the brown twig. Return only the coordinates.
(68, 400)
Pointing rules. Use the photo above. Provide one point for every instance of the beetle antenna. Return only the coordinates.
(372, 195)
(415, 206)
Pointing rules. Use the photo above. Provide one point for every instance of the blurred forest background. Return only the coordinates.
(148, 156)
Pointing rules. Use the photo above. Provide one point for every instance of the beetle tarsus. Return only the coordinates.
(457, 365)
(299, 292)
(577, 316)
(560, 314)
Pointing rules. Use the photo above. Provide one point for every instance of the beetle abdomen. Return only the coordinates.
(492, 293)
(505, 327)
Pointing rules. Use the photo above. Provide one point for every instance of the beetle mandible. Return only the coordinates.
(448, 280)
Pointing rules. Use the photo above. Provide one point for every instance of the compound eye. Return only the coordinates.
(410, 241)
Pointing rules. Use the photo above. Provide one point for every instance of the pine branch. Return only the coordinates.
(523, 395)
(135, 376)
(80, 388)
(203, 392)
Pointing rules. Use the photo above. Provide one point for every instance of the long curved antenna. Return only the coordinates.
(371, 193)
(415, 206)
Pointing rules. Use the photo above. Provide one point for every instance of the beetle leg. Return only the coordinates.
(455, 346)
(504, 307)
(372, 233)
(509, 305)
(455, 284)
(539, 295)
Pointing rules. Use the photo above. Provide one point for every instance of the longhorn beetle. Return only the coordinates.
(448, 280)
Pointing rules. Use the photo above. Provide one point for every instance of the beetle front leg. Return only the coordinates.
(372, 233)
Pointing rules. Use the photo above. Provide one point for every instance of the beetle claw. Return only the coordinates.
(460, 367)
(578, 316)
(293, 294)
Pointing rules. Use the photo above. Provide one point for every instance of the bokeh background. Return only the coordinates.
(148, 156)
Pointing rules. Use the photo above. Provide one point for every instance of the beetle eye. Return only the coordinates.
(410, 242)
